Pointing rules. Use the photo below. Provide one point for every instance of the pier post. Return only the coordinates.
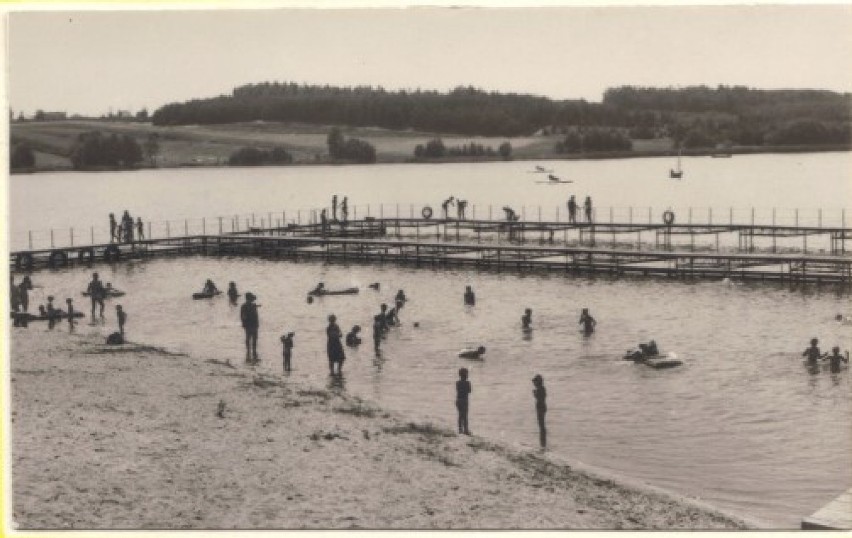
(51, 238)
(92, 230)
(185, 227)
(252, 220)
(220, 225)
(689, 221)
(72, 236)
(489, 212)
(30, 234)
(168, 230)
(630, 215)
(752, 216)
(819, 217)
(203, 226)
(149, 231)
(368, 210)
(797, 217)
(710, 216)
(269, 219)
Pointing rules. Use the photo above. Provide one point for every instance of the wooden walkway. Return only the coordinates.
(372, 241)
(836, 515)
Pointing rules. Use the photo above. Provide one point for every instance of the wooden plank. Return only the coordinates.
(836, 515)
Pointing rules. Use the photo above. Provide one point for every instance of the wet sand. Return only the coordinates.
(129, 437)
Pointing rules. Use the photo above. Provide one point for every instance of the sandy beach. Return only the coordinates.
(129, 437)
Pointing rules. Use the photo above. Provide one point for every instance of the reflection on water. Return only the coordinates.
(732, 425)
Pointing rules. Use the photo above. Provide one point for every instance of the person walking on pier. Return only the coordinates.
(251, 322)
(140, 229)
(540, 395)
(344, 209)
(114, 232)
(469, 296)
(572, 210)
(334, 348)
(334, 208)
(588, 322)
(97, 293)
(463, 390)
(587, 207)
(287, 341)
(122, 319)
(462, 206)
(324, 222)
(445, 205)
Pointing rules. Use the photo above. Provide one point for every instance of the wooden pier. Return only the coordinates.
(493, 245)
(836, 515)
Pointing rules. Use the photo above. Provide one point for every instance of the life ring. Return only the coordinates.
(427, 212)
(668, 217)
(57, 258)
(24, 260)
(86, 252)
(111, 253)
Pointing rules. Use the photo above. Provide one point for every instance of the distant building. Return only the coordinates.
(50, 116)
(124, 114)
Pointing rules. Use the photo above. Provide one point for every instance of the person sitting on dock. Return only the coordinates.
(97, 293)
(572, 210)
(812, 354)
(210, 287)
(42, 311)
(469, 296)
(233, 294)
(587, 321)
(526, 319)
(122, 319)
(352, 338)
(835, 359)
(461, 206)
(511, 216)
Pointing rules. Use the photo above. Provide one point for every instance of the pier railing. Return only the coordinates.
(79, 236)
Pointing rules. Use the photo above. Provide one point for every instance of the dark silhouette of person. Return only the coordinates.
(127, 226)
(445, 205)
(510, 213)
(399, 300)
(24, 293)
(587, 321)
(97, 293)
(462, 207)
(53, 314)
(384, 320)
(352, 338)
(812, 353)
(463, 389)
(378, 323)
(233, 294)
(70, 305)
(587, 206)
(334, 348)
(114, 235)
(526, 319)
(140, 229)
(835, 359)
(287, 341)
(15, 299)
(469, 297)
(344, 208)
(540, 395)
(392, 318)
(572, 210)
(324, 221)
(334, 207)
(122, 319)
(210, 287)
(251, 323)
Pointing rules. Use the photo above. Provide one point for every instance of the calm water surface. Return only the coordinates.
(742, 424)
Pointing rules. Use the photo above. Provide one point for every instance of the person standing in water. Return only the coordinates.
(251, 323)
(463, 390)
(287, 341)
(812, 354)
(15, 299)
(835, 359)
(24, 293)
(526, 319)
(334, 348)
(70, 304)
(97, 293)
(233, 294)
(352, 338)
(540, 396)
(122, 319)
(588, 322)
(469, 297)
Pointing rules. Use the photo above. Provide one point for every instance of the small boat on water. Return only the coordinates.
(541, 170)
(56, 317)
(473, 353)
(324, 292)
(649, 355)
(551, 179)
(206, 294)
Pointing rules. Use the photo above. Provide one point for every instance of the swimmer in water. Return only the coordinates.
(835, 359)
(319, 290)
(812, 354)
(469, 297)
(232, 292)
(588, 322)
(526, 319)
(352, 338)
(210, 287)
(472, 353)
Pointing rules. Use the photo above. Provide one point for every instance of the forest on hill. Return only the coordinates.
(695, 117)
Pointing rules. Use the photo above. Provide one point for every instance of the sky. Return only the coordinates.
(91, 62)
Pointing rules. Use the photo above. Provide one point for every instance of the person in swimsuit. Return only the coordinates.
(334, 349)
(463, 390)
(540, 395)
(287, 341)
(588, 322)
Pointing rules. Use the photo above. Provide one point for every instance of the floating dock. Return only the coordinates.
(490, 245)
(836, 515)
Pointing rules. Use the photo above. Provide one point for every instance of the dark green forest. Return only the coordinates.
(695, 117)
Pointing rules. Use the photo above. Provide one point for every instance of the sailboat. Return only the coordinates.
(676, 173)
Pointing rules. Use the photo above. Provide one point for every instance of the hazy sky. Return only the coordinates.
(89, 62)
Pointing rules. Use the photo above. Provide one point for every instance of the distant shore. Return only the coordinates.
(210, 145)
(128, 437)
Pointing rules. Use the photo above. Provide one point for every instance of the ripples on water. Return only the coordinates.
(742, 424)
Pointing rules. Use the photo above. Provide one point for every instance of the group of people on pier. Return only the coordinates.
(572, 209)
(123, 232)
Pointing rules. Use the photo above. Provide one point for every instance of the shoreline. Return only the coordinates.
(597, 156)
(149, 451)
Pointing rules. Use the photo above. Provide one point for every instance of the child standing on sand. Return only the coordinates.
(463, 389)
(287, 340)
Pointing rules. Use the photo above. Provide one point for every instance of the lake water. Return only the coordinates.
(742, 424)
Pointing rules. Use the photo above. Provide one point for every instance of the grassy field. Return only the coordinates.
(212, 144)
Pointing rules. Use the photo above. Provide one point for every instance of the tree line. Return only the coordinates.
(694, 116)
